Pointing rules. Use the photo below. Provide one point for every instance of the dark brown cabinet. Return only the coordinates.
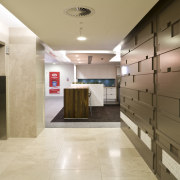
(76, 103)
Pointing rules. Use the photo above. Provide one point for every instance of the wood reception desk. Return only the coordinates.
(76, 103)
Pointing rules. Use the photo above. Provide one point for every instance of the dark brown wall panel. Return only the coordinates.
(144, 51)
(169, 145)
(152, 59)
(166, 174)
(167, 41)
(142, 67)
(169, 15)
(132, 69)
(142, 148)
(126, 81)
(169, 84)
(146, 98)
(146, 66)
(159, 160)
(169, 105)
(144, 82)
(145, 34)
(129, 93)
(170, 61)
(169, 127)
(127, 47)
(140, 82)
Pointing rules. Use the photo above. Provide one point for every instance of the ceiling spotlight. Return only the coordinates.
(54, 63)
(77, 55)
(78, 59)
(81, 38)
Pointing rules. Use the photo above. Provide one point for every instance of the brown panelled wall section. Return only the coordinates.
(150, 89)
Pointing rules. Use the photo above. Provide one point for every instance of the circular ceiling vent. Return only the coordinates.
(80, 11)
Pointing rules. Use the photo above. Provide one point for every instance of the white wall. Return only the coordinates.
(4, 33)
(66, 72)
(99, 71)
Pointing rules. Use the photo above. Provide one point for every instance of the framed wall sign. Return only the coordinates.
(54, 82)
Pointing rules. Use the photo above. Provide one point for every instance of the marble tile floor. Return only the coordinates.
(54, 104)
(73, 154)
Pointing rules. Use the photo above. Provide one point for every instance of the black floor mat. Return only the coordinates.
(107, 113)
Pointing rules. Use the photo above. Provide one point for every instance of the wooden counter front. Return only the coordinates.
(76, 103)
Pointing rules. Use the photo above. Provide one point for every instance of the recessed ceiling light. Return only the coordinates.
(54, 63)
(77, 55)
(81, 38)
(78, 59)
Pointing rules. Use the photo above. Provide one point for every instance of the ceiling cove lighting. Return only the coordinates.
(91, 51)
(117, 51)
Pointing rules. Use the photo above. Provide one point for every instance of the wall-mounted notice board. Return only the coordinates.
(54, 82)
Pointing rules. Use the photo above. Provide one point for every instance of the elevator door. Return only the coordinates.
(3, 129)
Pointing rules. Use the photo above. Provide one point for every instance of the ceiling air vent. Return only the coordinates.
(80, 11)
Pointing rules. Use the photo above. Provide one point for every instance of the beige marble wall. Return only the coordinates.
(40, 84)
(25, 84)
(4, 41)
(4, 59)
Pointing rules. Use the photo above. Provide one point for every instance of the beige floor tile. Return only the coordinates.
(28, 162)
(127, 174)
(78, 158)
(135, 163)
(24, 173)
(76, 175)
(78, 155)
(146, 176)
(73, 154)
(120, 153)
(14, 144)
(5, 159)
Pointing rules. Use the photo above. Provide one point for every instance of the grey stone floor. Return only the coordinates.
(54, 104)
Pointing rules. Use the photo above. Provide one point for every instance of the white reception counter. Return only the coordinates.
(97, 93)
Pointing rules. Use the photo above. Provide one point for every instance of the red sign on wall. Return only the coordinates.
(54, 83)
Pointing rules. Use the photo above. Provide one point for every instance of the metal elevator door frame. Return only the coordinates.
(3, 121)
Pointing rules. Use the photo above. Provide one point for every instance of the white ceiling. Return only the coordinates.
(112, 21)
(8, 18)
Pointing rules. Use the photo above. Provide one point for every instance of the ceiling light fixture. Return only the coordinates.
(54, 63)
(81, 38)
